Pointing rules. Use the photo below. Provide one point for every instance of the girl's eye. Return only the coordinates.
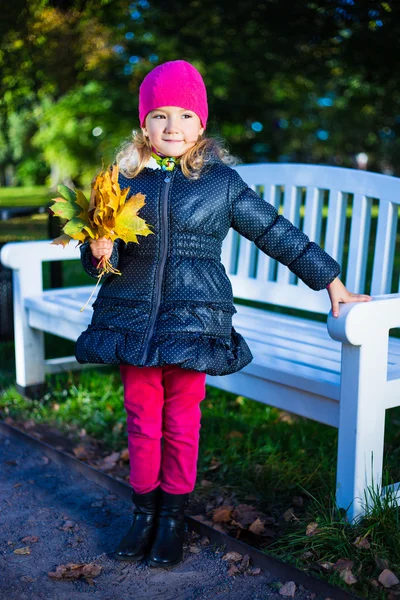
(185, 115)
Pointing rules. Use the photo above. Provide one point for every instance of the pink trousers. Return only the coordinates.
(163, 403)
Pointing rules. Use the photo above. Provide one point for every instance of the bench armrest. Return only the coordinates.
(17, 254)
(357, 321)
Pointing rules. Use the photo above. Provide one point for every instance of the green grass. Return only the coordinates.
(25, 196)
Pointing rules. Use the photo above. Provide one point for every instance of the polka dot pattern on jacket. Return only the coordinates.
(173, 303)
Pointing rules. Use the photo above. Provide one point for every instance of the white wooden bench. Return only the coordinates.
(344, 373)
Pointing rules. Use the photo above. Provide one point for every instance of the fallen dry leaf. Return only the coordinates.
(25, 550)
(223, 514)
(234, 556)
(348, 577)
(288, 589)
(82, 452)
(311, 528)
(109, 462)
(343, 563)
(233, 570)
(245, 561)
(125, 454)
(30, 538)
(362, 542)
(17, 485)
(257, 527)
(215, 464)
(388, 579)
(245, 514)
(289, 515)
(74, 571)
(326, 565)
(27, 579)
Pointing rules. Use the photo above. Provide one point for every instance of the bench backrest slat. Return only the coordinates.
(313, 208)
(291, 210)
(384, 248)
(334, 240)
(336, 208)
(358, 247)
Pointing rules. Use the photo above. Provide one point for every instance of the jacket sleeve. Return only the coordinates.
(86, 258)
(258, 221)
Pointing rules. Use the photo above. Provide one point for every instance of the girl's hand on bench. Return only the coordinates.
(338, 293)
(101, 247)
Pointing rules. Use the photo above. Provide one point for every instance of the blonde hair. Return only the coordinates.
(133, 155)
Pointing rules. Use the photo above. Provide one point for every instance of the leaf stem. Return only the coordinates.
(106, 267)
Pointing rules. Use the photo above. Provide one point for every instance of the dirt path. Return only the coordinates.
(77, 521)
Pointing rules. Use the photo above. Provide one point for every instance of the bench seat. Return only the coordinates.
(293, 353)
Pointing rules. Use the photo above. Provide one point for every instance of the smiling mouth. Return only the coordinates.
(173, 140)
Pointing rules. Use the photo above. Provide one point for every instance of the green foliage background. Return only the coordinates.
(289, 81)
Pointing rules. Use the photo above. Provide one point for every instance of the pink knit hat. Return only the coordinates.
(174, 83)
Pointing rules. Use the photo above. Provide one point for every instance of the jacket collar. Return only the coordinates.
(152, 163)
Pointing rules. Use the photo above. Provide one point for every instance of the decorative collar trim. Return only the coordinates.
(152, 163)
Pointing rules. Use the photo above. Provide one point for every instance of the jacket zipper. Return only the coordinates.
(164, 244)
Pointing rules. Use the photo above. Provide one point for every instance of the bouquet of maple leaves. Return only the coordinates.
(107, 214)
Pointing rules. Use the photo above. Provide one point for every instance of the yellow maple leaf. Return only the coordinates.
(127, 223)
(107, 214)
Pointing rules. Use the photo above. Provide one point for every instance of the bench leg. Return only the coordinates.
(29, 362)
(361, 424)
(29, 342)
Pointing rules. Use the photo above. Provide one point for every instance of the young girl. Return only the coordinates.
(167, 320)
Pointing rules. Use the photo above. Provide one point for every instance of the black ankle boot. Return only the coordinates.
(167, 549)
(138, 540)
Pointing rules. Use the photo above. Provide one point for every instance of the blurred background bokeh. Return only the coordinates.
(312, 82)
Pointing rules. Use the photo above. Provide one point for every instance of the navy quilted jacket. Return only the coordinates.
(173, 303)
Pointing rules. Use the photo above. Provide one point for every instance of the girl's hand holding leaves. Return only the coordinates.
(108, 215)
(101, 247)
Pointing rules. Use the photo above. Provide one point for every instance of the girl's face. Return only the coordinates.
(172, 130)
